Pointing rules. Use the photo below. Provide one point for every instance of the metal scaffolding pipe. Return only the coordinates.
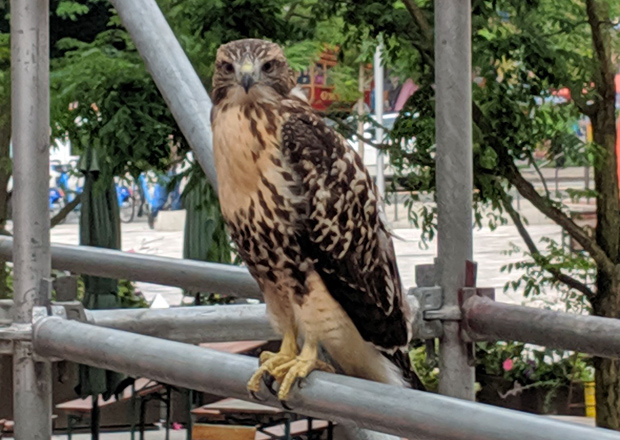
(196, 324)
(191, 324)
(489, 320)
(398, 411)
(453, 127)
(188, 274)
(32, 381)
(174, 75)
(379, 104)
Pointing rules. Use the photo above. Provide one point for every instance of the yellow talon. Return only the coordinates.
(270, 361)
(286, 366)
(265, 356)
(269, 365)
(298, 368)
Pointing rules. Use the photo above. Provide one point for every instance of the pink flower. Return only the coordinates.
(507, 365)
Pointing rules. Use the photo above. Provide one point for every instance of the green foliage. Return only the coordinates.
(203, 26)
(129, 297)
(524, 366)
(528, 364)
(71, 10)
(301, 54)
(425, 368)
(518, 366)
(522, 52)
(536, 279)
(103, 96)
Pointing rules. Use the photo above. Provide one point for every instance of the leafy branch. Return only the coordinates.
(527, 190)
(541, 259)
(65, 211)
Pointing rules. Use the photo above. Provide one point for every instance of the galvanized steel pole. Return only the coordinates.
(32, 381)
(454, 180)
(189, 274)
(486, 320)
(399, 411)
(378, 68)
(195, 324)
(174, 75)
(191, 324)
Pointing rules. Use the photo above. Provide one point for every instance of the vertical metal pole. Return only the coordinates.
(378, 67)
(454, 180)
(190, 422)
(132, 429)
(168, 410)
(95, 417)
(360, 112)
(31, 139)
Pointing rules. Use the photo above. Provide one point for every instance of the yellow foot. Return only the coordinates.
(269, 362)
(298, 368)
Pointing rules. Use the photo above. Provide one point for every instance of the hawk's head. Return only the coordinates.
(251, 64)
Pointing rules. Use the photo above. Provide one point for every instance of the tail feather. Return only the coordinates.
(400, 358)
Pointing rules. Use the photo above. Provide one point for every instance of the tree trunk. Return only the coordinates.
(607, 375)
(607, 300)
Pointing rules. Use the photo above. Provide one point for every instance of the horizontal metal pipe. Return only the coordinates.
(188, 274)
(200, 324)
(397, 411)
(486, 319)
(191, 324)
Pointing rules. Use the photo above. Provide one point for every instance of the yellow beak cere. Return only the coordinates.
(247, 67)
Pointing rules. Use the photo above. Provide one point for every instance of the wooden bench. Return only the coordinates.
(297, 428)
(223, 432)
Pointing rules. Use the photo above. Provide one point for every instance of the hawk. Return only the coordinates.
(305, 216)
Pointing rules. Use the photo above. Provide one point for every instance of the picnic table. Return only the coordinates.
(241, 420)
(79, 410)
(236, 406)
(236, 347)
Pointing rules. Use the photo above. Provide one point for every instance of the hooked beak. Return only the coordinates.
(247, 81)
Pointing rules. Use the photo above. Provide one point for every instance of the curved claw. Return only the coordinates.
(302, 382)
(255, 396)
(269, 381)
(285, 405)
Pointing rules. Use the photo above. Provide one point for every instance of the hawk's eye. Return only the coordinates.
(268, 66)
(228, 68)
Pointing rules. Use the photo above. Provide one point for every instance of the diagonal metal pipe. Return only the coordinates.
(174, 75)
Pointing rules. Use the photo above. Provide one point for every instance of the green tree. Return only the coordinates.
(521, 52)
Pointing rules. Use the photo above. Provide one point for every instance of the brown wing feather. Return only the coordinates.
(342, 230)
